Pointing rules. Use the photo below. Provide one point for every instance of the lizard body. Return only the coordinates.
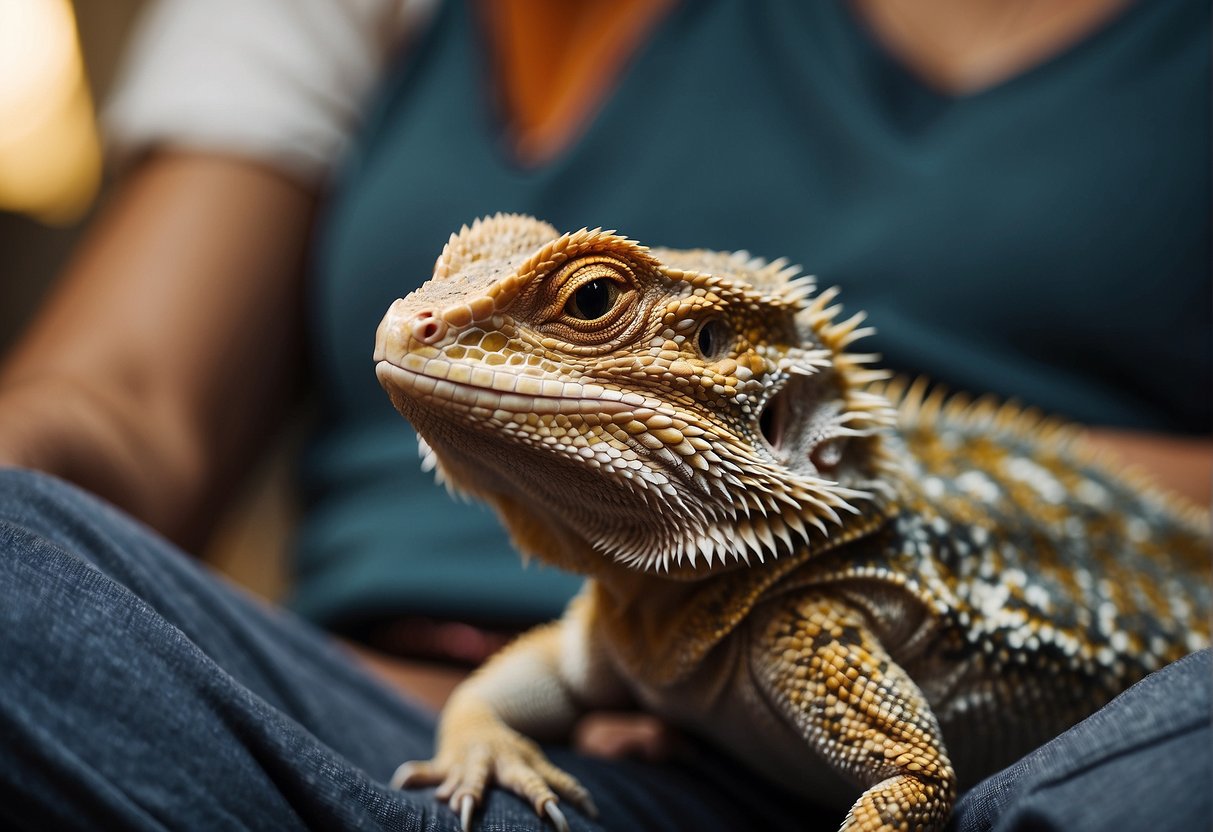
(871, 593)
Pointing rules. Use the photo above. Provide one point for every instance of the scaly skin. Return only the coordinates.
(873, 596)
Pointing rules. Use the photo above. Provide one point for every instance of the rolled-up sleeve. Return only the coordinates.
(279, 81)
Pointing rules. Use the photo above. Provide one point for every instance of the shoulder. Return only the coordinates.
(280, 81)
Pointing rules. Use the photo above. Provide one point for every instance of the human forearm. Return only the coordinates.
(167, 348)
(1180, 464)
(76, 429)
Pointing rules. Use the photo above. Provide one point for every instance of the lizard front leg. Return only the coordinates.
(823, 671)
(535, 687)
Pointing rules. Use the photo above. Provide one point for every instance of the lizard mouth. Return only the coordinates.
(445, 393)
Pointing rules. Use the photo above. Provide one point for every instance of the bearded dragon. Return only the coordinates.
(871, 593)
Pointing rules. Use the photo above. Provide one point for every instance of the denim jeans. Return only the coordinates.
(140, 691)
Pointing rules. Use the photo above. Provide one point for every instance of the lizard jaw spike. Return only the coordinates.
(746, 531)
(817, 523)
(783, 533)
(766, 539)
(429, 459)
(795, 524)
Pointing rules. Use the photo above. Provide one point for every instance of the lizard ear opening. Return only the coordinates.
(714, 339)
(771, 420)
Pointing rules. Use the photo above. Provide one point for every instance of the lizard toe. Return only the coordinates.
(416, 774)
(565, 785)
(467, 805)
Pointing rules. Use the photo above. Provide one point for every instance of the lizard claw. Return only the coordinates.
(517, 766)
(467, 804)
(403, 776)
(555, 815)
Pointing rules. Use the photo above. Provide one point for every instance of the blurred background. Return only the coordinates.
(57, 60)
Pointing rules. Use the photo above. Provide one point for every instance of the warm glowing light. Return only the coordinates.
(50, 159)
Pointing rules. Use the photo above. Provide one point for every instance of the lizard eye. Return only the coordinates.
(714, 339)
(592, 300)
(589, 300)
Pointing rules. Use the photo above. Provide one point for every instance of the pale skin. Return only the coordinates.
(204, 252)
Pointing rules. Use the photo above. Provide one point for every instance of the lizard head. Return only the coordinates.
(672, 410)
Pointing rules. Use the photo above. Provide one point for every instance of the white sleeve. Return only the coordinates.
(280, 81)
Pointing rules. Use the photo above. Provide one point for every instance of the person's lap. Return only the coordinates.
(1142, 762)
(137, 690)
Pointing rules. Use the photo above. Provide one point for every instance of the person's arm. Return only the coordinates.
(166, 350)
(170, 344)
(1180, 464)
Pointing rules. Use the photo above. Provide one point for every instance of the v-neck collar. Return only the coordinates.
(906, 80)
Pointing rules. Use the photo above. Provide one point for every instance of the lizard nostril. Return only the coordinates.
(427, 328)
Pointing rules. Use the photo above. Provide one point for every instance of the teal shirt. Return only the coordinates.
(1047, 239)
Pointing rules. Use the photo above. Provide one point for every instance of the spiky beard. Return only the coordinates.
(671, 516)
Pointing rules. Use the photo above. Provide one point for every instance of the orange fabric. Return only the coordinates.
(557, 60)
